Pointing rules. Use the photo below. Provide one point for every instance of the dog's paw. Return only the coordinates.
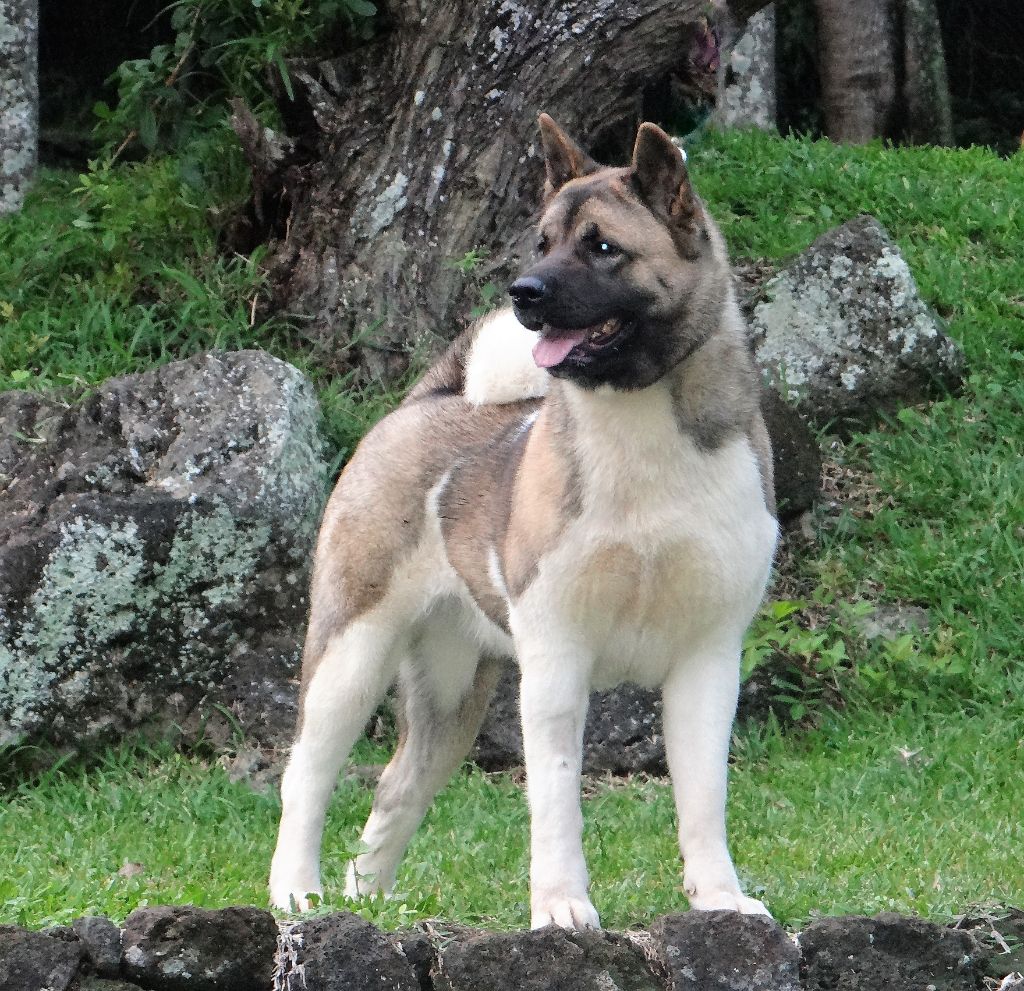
(729, 901)
(294, 886)
(568, 913)
(300, 898)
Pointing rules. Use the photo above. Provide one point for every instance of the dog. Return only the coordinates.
(583, 483)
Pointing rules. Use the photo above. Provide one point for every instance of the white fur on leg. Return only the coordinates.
(553, 702)
(352, 676)
(500, 366)
(699, 706)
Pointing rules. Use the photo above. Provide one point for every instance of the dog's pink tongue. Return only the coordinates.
(551, 351)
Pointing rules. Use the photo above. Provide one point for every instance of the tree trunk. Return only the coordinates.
(857, 66)
(928, 118)
(19, 99)
(425, 168)
(747, 85)
(883, 71)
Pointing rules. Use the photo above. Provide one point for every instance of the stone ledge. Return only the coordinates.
(182, 948)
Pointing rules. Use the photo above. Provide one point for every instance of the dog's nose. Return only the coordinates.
(527, 291)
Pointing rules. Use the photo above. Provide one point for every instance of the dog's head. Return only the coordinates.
(631, 271)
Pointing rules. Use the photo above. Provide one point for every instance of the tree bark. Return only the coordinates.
(425, 148)
(747, 84)
(857, 66)
(928, 117)
(883, 71)
(19, 99)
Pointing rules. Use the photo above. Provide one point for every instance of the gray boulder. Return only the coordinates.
(155, 540)
(842, 332)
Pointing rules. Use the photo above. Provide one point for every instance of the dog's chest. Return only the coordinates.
(670, 544)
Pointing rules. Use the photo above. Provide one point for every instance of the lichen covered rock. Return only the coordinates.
(154, 546)
(842, 332)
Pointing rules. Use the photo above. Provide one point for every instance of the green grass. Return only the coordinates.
(907, 799)
(117, 270)
(868, 813)
(953, 540)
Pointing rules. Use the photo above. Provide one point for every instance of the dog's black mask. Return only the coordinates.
(606, 294)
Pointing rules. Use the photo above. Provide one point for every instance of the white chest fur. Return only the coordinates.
(672, 545)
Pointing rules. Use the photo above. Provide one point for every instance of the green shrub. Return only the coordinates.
(222, 49)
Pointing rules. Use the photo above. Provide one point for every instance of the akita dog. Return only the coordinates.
(582, 483)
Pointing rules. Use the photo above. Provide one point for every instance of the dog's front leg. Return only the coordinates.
(554, 692)
(699, 705)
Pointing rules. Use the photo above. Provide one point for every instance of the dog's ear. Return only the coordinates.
(661, 179)
(563, 158)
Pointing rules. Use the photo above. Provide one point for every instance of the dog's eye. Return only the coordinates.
(605, 248)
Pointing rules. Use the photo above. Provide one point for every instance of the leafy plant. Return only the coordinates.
(801, 662)
(221, 49)
(473, 265)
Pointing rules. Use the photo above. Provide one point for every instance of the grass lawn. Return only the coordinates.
(909, 798)
(910, 812)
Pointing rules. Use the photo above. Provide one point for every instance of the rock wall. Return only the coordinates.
(181, 948)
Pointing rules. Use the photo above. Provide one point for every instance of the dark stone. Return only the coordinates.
(705, 950)
(843, 333)
(30, 961)
(543, 959)
(796, 457)
(422, 957)
(91, 983)
(168, 948)
(342, 952)
(155, 541)
(101, 941)
(499, 744)
(855, 953)
(622, 735)
(1001, 936)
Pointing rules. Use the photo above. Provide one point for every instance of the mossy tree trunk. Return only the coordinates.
(857, 66)
(424, 148)
(19, 99)
(928, 117)
(883, 71)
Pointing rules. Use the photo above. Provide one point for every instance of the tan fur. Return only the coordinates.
(399, 460)
(543, 498)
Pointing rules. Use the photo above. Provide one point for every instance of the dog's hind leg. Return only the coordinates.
(354, 672)
(699, 704)
(439, 719)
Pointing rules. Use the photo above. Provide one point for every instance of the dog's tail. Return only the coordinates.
(499, 364)
(490, 363)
